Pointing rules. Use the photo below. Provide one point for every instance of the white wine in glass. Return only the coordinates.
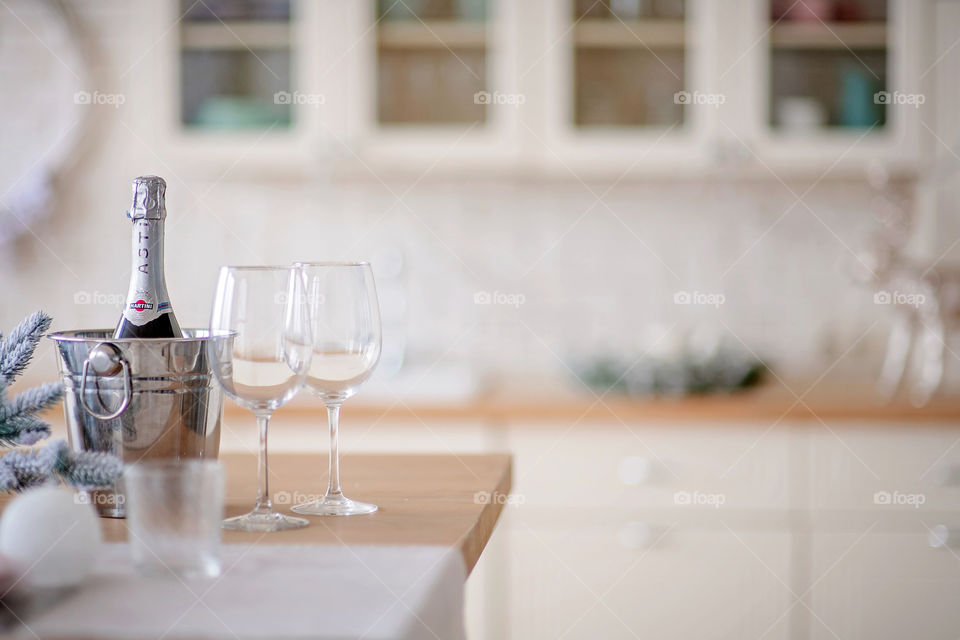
(264, 363)
(345, 324)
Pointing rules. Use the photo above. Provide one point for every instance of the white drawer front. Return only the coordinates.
(909, 467)
(653, 465)
(884, 585)
(595, 579)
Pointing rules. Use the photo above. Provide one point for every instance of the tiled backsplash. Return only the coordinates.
(563, 277)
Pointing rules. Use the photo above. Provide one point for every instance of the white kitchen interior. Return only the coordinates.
(549, 190)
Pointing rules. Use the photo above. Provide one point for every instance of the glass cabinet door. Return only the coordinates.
(597, 86)
(235, 65)
(628, 62)
(431, 61)
(828, 66)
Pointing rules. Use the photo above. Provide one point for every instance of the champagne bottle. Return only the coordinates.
(147, 312)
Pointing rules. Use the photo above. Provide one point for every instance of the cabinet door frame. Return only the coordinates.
(561, 147)
(530, 51)
(257, 150)
(899, 146)
(490, 145)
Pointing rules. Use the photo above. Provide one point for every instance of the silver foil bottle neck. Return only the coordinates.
(148, 199)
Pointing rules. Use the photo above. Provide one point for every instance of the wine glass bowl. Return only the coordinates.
(337, 371)
(264, 362)
(257, 383)
(345, 325)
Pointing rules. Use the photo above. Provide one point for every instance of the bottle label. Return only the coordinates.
(144, 308)
(147, 297)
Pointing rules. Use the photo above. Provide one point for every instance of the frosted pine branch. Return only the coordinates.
(87, 469)
(17, 348)
(8, 479)
(25, 468)
(33, 325)
(18, 424)
(32, 400)
(23, 430)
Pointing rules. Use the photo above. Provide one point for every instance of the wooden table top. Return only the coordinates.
(840, 401)
(423, 499)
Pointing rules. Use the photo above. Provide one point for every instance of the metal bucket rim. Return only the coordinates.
(80, 336)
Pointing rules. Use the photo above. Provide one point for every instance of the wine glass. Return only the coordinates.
(264, 362)
(345, 323)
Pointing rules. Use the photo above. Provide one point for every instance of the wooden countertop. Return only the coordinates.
(831, 400)
(506, 404)
(423, 499)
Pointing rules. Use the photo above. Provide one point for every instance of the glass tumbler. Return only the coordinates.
(174, 512)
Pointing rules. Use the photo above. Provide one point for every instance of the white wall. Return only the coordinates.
(589, 281)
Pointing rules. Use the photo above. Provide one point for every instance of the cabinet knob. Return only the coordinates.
(941, 537)
(947, 475)
(636, 535)
(634, 470)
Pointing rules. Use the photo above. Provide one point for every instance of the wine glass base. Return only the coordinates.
(334, 506)
(264, 521)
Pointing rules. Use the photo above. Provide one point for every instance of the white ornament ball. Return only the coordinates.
(52, 535)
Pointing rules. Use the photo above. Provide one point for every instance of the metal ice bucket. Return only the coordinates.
(139, 399)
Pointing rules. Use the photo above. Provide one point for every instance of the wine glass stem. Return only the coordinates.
(333, 415)
(263, 493)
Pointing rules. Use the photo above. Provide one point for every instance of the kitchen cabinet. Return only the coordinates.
(553, 87)
(695, 527)
(887, 584)
(794, 509)
(652, 465)
(606, 575)
(862, 467)
(866, 77)
(680, 529)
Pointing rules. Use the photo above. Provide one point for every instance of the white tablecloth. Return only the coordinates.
(272, 591)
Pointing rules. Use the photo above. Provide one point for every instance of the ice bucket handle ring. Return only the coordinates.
(106, 360)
